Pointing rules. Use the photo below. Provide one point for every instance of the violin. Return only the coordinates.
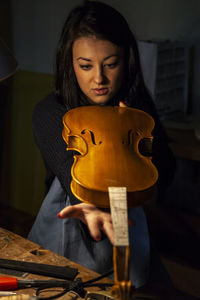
(112, 144)
(114, 153)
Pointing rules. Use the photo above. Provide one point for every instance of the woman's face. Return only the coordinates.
(99, 68)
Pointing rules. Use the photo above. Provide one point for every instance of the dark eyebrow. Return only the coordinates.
(83, 58)
(87, 59)
(111, 56)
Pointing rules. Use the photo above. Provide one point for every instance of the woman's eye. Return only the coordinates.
(113, 65)
(85, 67)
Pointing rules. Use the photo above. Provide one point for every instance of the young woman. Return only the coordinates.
(97, 63)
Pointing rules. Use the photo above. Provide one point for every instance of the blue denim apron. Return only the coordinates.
(70, 238)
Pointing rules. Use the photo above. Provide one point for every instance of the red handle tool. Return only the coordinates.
(8, 283)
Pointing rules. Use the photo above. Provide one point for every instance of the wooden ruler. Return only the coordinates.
(121, 250)
(118, 206)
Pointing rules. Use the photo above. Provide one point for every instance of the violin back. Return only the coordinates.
(108, 140)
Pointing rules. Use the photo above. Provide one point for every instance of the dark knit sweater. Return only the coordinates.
(47, 130)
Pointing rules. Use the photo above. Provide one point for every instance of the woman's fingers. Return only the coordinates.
(122, 104)
(72, 211)
(77, 211)
(95, 219)
(108, 230)
(95, 229)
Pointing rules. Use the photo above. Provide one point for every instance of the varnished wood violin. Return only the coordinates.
(114, 150)
(108, 140)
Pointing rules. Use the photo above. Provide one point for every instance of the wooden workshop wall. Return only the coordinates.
(23, 163)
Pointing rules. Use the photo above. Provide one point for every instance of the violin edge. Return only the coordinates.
(101, 199)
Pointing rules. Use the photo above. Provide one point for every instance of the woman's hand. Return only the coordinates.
(122, 104)
(96, 219)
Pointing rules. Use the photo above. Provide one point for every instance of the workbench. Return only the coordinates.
(15, 247)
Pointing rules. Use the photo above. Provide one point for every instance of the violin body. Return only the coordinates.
(107, 139)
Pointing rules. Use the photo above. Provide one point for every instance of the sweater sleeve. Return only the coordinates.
(47, 130)
(162, 155)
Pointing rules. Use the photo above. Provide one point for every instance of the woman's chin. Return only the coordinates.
(99, 100)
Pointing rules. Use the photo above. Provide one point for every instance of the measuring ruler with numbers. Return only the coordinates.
(121, 249)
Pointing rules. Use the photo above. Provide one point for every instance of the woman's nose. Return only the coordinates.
(99, 76)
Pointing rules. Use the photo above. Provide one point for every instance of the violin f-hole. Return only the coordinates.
(129, 140)
(91, 135)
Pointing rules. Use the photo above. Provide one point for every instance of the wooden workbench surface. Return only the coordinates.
(13, 246)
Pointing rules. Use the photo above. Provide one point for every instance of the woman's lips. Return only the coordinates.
(101, 91)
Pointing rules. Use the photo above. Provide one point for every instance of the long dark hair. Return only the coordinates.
(98, 19)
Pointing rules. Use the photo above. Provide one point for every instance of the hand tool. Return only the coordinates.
(10, 283)
(5, 293)
(63, 272)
